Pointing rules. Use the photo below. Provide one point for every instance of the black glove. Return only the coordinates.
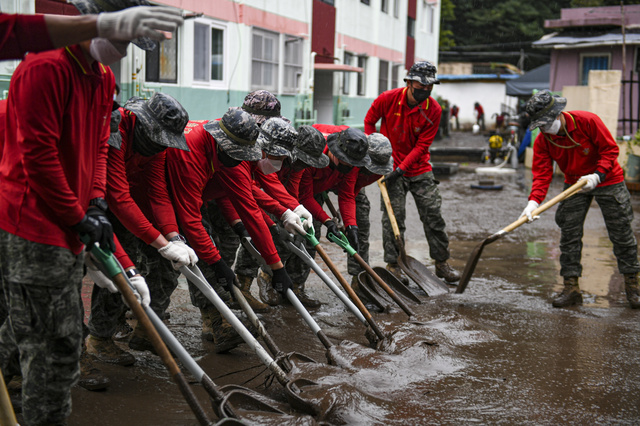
(281, 281)
(224, 275)
(352, 236)
(96, 225)
(332, 228)
(240, 230)
(389, 178)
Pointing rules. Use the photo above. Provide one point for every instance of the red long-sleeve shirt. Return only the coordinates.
(598, 151)
(137, 187)
(55, 152)
(315, 181)
(365, 179)
(20, 34)
(410, 130)
(290, 179)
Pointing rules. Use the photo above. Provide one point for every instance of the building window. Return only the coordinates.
(330, 2)
(396, 8)
(395, 72)
(384, 6)
(383, 77)
(592, 62)
(264, 64)
(292, 64)
(161, 63)
(411, 27)
(365, 2)
(346, 76)
(362, 63)
(208, 53)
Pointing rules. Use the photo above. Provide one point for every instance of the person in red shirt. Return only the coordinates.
(455, 110)
(52, 189)
(20, 34)
(479, 115)
(141, 212)
(410, 119)
(584, 149)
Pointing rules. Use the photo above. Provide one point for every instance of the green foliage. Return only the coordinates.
(447, 14)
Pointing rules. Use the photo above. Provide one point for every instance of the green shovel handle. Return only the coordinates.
(342, 242)
(105, 257)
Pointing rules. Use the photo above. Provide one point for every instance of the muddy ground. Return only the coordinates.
(498, 354)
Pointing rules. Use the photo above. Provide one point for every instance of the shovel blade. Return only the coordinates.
(396, 285)
(422, 276)
(371, 295)
(295, 391)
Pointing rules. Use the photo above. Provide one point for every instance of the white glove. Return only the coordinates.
(97, 276)
(592, 181)
(304, 214)
(531, 206)
(140, 21)
(179, 254)
(292, 223)
(141, 290)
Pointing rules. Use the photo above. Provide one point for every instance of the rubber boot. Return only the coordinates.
(139, 340)
(631, 288)
(107, 351)
(446, 272)
(307, 302)
(570, 294)
(91, 378)
(395, 269)
(245, 288)
(267, 293)
(223, 335)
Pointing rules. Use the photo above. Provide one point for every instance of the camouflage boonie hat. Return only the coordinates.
(277, 137)
(310, 146)
(163, 118)
(236, 133)
(423, 72)
(262, 105)
(87, 7)
(543, 108)
(350, 146)
(115, 138)
(380, 152)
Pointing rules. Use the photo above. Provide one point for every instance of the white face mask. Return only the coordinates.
(106, 51)
(552, 128)
(268, 166)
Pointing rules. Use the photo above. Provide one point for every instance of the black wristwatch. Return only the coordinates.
(132, 272)
(100, 203)
(178, 238)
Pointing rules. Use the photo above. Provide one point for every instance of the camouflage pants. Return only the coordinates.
(296, 268)
(424, 189)
(363, 207)
(224, 237)
(42, 336)
(615, 204)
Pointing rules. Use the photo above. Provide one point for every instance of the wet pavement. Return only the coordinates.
(498, 353)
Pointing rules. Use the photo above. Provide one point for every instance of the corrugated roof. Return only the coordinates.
(445, 77)
(559, 41)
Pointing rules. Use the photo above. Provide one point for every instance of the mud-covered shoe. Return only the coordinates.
(446, 272)
(140, 341)
(304, 298)
(267, 293)
(207, 323)
(91, 378)
(223, 335)
(245, 288)
(123, 331)
(631, 288)
(395, 269)
(570, 294)
(107, 351)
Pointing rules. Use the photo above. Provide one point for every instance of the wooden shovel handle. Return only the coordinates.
(387, 205)
(546, 206)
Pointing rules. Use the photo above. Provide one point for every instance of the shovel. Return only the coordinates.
(400, 289)
(7, 416)
(426, 280)
(115, 272)
(477, 251)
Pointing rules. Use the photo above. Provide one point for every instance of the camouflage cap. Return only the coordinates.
(277, 137)
(115, 138)
(350, 146)
(423, 72)
(309, 147)
(163, 118)
(262, 105)
(236, 133)
(87, 7)
(543, 108)
(380, 152)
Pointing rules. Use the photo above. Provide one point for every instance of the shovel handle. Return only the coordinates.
(546, 206)
(387, 205)
(7, 416)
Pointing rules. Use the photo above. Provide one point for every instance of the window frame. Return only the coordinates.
(584, 80)
(384, 6)
(291, 90)
(275, 62)
(411, 27)
(383, 84)
(225, 57)
(396, 8)
(175, 39)
(346, 76)
(361, 86)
